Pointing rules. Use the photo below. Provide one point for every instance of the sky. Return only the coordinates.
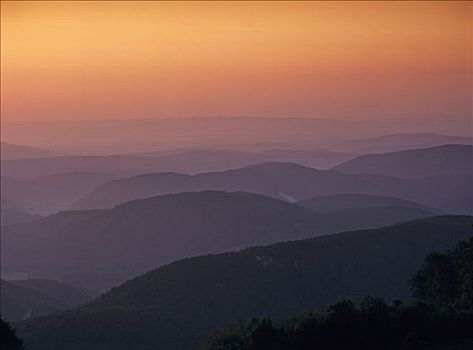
(78, 60)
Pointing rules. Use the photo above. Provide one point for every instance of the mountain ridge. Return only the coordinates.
(414, 163)
(179, 304)
(148, 232)
(288, 180)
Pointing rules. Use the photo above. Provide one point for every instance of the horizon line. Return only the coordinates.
(427, 118)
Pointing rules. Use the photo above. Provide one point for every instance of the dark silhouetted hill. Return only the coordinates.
(8, 338)
(178, 305)
(331, 203)
(32, 298)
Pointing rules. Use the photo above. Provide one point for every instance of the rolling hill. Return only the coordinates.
(100, 248)
(399, 142)
(178, 305)
(32, 298)
(194, 161)
(332, 203)
(50, 193)
(12, 151)
(289, 181)
(187, 161)
(414, 163)
(103, 247)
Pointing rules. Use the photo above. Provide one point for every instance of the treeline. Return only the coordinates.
(446, 280)
(441, 316)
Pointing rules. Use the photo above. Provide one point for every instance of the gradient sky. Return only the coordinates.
(93, 60)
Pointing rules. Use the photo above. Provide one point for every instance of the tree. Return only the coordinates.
(446, 280)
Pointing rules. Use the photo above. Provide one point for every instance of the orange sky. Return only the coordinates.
(92, 60)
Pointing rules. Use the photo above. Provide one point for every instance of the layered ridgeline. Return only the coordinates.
(399, 142)
(342, 201)
(47, 185)
(414, 163)
(289, 181)
(355, 210)
(9, 151)
(100, 248)
(178, 305)
(188, 161)
(48, 194)
(31, 298)
(248, 133)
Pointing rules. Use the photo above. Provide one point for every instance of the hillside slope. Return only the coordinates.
(178, 305)
(414, 163)
(32, 298)
(187, 161)
(331, 203)
(9, 151)
(399, 142)
(103, 247)
(9, 216)
(99, 248)
(52, 193)
(289, 181)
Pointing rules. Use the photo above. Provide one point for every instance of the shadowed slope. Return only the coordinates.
(99, 248)
(414, 163)
(331, 203)
(292, 182)
(32, 298)
(178, 305)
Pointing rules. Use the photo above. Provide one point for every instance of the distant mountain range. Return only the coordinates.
(143, 135)
(48, 194)
(290, 182)
(399, 142)
(32, 298)
(184, 161)
(218, 159)
(47, 185)
(11, 151)
(414, 163)
(176, 306)
(100, 248)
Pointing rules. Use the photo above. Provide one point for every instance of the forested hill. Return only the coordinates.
(178, 305)
(98, 249)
